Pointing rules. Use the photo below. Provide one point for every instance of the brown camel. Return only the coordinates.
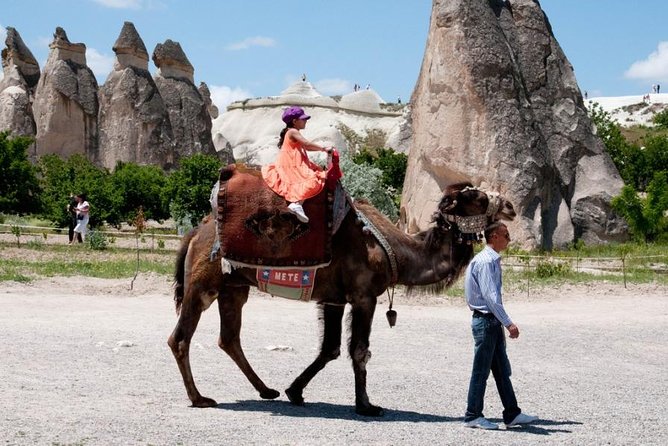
(360, 271)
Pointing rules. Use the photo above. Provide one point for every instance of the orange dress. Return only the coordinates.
(294, 176)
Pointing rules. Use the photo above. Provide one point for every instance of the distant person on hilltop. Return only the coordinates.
(586, 94)
(653, 88)
(658, 88)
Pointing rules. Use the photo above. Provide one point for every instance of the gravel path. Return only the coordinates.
(85, 362)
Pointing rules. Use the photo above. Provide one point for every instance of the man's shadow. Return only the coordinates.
(541, 427)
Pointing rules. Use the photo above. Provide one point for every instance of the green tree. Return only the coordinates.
(188, 188)
(79, 176)
(611, 135)
(19, 185)
(140, 186)
(646, 215)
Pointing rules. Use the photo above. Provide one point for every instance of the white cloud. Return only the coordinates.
(101, 64)
(120, 4)
(654, 67)
(332, 87)
(251, 41)
(222, 96)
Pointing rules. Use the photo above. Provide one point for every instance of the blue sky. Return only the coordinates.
(252, 48)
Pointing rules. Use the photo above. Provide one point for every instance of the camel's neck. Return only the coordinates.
(420, 263)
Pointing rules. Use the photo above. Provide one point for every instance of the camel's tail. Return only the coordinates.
(180, 273)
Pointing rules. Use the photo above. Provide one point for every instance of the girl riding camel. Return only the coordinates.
(294, 176)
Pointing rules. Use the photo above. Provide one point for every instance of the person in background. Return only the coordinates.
(82, 218)
(294, 176)
(482, 288)
(72, 214)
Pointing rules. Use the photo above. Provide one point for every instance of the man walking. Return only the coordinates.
(482, 287)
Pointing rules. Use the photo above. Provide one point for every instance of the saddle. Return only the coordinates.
(256, 229)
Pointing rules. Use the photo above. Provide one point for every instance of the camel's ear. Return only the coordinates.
(448, 204)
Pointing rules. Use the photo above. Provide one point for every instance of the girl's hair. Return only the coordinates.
(82, 196)
(283, 132)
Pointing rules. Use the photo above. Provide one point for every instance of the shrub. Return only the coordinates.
(97, 240)
(140, 186)
(547, 268)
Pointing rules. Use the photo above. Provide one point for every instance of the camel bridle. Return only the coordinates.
(470, 228)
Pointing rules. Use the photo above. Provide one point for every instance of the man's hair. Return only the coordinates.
(491, 229)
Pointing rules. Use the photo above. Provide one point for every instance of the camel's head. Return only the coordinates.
(470, 210)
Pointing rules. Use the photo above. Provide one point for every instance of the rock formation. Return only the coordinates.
(21, 75)
(497, 102)
(188, 110)
(206, 95)
(65, 105)
(252, 126)
(134, 122)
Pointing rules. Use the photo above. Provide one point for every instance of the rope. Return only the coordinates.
(383, 242)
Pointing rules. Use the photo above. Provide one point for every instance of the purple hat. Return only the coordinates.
(294, 112)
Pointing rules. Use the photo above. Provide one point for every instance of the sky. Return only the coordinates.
(256, 48)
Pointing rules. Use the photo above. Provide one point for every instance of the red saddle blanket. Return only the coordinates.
(256, 228)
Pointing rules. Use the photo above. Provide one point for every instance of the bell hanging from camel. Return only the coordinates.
(391, 317)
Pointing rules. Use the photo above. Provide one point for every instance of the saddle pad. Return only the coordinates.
(296, 284)
(256, 228)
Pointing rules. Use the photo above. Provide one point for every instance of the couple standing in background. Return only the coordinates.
(78, 209)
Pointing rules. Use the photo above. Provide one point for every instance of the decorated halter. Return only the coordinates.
(471, 228)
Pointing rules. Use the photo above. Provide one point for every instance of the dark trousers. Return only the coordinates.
(490, 355)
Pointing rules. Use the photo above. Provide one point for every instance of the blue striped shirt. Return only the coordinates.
(482, 285)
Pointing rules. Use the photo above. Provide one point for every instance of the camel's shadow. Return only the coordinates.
(334, 411)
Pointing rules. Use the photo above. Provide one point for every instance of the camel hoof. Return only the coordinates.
(370, 411)
(269, 394)
(295, 396)
(204, 402)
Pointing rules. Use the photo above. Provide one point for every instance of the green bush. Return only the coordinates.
(661, 119)
(363, 181)
(96, 240)
(645, 215)
(547, 268)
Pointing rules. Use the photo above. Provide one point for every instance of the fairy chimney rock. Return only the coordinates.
(496, 102)
(172, 61)
(66, 104)
(134, 122)
(21, 74)
(188, 109)
(129, 48)
(19, 65)
(206, 95)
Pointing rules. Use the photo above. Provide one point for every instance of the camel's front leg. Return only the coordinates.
(230, 305)
(179, 342)
(362, 317)
(329, 350)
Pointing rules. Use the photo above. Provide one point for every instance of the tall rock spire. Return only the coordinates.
(497, 103)
(188, 110)
(21, 74)
(66, 104)
(134, 123)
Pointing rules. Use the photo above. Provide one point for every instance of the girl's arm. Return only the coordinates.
(305, 143)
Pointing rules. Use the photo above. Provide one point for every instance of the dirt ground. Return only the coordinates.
(85, 362)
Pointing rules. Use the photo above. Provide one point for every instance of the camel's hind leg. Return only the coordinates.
(329, 350)
(179, 342)
(230, 305)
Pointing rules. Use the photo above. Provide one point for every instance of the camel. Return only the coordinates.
(361, 270)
